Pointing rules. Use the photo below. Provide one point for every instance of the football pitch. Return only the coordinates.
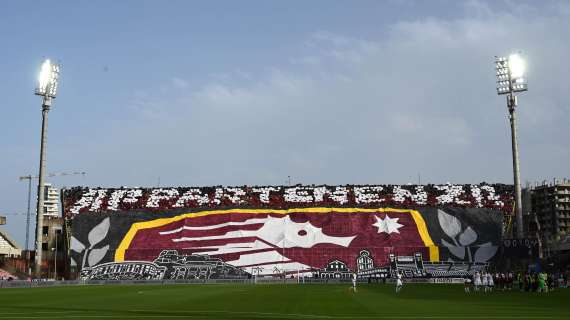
(278, 301)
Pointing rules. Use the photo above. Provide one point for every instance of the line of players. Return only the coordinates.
(487, 282)
(399, 282)
(482, 281)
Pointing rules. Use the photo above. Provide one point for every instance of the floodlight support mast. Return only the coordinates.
(47, 89)
(512, 105)
(46, 104)
(510, 76)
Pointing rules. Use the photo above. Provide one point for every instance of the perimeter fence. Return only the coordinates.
(253, 281)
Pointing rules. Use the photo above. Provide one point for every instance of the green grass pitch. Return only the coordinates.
(278, 301)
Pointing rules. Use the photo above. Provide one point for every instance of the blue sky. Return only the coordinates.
(249, 92)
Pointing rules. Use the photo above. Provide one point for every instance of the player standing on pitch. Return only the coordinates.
(354, 282)
(467, 284)
(477, 280)
(399, 282)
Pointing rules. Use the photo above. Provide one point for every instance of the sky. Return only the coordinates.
(180, 93)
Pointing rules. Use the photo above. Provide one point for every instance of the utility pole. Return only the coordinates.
(55, 255)
(29, 178)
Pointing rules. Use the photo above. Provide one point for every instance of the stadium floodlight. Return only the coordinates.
(510, 80)
(510, 74)
(47, 88)
(47, 80)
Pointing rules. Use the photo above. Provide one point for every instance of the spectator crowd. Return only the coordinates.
(81, 199)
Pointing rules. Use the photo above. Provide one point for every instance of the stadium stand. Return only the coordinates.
(5, 275)
(8, 247)
(327, 231)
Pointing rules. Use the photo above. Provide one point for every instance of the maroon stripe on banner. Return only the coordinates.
(267, 263)
(214, 243)
(214, 232)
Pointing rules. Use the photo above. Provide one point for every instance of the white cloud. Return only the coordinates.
(179, 83)
(306, 60)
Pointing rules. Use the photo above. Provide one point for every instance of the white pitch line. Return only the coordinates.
(277, 315)
(202, 313)
(41, 312)
(293, 315)
(289, 316)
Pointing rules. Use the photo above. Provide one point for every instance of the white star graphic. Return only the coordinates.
(387, 225)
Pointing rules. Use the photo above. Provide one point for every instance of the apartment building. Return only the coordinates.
(550, 205)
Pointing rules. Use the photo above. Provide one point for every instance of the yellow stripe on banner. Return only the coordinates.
(424, 234)
(434, 253)
(135, 227)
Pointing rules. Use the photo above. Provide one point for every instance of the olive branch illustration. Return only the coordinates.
(463, 239)
(92, 255)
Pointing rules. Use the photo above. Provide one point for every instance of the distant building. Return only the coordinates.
(549, 218)
(551, 205)
(53, 244)
(52, 236)
(51, 201)
(8, 247)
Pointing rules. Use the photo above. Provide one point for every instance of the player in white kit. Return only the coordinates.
(477, 281)
(490, 282)
(354, 282)
(485, 282)
(467, 284)
(399, 282)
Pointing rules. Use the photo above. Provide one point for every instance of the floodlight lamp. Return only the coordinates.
(47, 81)
(510, 74)
(516, 66)
(45, 74)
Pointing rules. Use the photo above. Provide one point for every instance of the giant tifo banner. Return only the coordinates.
(323, 231)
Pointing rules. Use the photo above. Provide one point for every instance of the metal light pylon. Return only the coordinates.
(510, 80)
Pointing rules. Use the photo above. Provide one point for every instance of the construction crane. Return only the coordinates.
(30, 178)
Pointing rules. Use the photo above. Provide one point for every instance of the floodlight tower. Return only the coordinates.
(511, 80)
(47, 89)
